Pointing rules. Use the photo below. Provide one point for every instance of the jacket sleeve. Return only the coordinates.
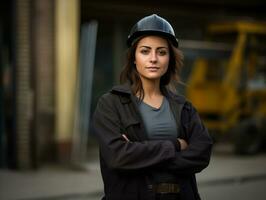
(115, 150)
(197, 156)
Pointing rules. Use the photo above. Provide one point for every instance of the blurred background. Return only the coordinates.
(58, 57)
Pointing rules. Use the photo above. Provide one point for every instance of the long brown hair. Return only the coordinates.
(169, 80)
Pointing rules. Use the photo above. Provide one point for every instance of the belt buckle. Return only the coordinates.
(166, 188)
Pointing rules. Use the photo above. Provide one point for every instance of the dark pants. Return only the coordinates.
(167, 196)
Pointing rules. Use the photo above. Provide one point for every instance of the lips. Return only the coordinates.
(152, 68)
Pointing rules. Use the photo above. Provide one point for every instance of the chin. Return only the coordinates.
(153, 77)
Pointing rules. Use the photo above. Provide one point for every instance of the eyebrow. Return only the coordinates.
(150, 47)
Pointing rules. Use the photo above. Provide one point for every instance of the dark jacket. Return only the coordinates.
(126, 166)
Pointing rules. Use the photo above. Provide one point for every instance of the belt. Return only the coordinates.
(166, 188)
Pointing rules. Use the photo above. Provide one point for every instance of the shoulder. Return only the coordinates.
(106, 104)
(187, 111)
(118, 94)
(107, 98)
(182, 100)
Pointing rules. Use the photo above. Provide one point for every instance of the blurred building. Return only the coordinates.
(40, 59)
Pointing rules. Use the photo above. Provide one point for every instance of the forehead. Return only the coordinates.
(153, 41)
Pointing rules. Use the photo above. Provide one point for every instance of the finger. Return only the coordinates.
(125, 137)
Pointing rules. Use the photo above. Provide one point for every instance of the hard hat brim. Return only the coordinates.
(135, 36)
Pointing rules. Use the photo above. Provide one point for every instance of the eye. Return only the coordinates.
(162, 52)
(144, 51)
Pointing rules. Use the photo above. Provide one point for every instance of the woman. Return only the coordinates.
(152, 141)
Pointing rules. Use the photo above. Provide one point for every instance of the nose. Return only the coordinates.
(153, 57)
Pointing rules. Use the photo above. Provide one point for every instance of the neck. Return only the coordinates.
(151, 88)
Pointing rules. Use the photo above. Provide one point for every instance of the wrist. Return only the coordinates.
(176, 144)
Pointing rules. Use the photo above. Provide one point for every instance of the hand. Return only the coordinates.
(125, 137)
(183, 143)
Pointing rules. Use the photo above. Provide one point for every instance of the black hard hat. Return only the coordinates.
(152, 25)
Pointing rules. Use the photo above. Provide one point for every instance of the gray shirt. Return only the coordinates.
(160, 124)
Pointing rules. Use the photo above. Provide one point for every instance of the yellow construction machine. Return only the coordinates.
(229, 89)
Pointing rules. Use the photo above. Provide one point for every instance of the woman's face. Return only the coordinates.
(152, 57)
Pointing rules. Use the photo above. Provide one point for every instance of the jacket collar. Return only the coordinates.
(125, 89)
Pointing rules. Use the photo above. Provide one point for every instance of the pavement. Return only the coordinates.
(53, 182)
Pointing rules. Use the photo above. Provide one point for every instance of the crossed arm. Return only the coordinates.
(121, 153)
(182, 142)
